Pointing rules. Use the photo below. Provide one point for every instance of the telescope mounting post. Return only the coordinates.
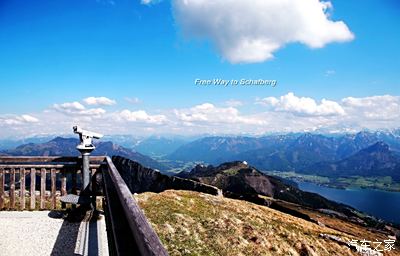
(85, 147)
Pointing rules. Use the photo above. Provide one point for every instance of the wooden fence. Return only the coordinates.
(37, 182)
(41, 180)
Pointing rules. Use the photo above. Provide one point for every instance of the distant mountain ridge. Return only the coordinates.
(292, 152)
(375, 160)
(67, 147)
(159, 145)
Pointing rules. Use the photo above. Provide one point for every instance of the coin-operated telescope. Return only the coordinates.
(86, 138)
(85, 147)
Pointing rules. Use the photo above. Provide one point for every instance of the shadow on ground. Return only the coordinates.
(67, 236)
(75, 232)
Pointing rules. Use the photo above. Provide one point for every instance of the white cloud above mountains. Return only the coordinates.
(76, 108)
(303, 105)
(285, 113)
(386, 107)
(350, 113)
(233, 103)
(27, 119)
(208, 113)
(146, 2)
(99, 101)
(140, 116)
(133, 100)
(18, 119)
(251, 31)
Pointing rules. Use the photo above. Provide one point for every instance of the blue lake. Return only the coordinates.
(382, 204)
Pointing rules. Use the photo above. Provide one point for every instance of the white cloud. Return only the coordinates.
(330, 72)
(103, 101)
(70, 106)
(286, 113)
(133, 100)
(233, 103)
(251, 31)
(385, 107)
(208, 113)
(28, 119)
(76, 108)
(303, 105)
(147, 2)
(141, 116)
(17, 120)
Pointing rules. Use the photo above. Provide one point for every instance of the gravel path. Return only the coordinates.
(35, 233)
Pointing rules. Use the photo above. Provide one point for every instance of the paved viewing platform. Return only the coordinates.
(52, 186)
(47, 233)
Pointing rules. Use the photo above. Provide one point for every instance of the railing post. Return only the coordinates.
(2, 178)
(33, 189)
(63, 186)
(42, 188)
(22, 189)
(53, 188)
(12, 189)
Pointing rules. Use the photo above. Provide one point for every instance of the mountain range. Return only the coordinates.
(67, 147)
(152, 146)
(159, 145)
(303, 153)
(375, 160)
(369, 154)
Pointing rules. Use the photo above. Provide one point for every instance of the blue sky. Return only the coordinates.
(61, 51)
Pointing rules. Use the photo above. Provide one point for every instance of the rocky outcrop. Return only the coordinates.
(241, 181)
(141, 179)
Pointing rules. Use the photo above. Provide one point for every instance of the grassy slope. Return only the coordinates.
(191, 223)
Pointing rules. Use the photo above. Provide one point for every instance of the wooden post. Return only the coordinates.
(2, 178)
(12, 189)
(74, 185)
(22, 189)
(33, 189)
(63, 186)
(42, 188)
(53, 188)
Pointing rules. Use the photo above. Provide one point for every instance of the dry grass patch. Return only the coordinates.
(192, 223)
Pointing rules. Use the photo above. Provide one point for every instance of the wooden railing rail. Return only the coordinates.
(46, 159)
(131, 233)
(37, 182)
